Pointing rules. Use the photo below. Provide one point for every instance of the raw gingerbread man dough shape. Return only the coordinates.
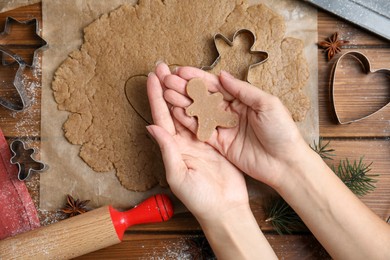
(207, 108)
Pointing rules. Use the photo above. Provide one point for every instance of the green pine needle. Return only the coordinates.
(282, 217)
(322, 149)
(355, 177)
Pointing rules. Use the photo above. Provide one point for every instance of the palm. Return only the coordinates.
(258, 144)
(207, 173)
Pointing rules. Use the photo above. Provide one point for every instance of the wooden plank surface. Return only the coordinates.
(178, 246)
(359, 97)
(170, 240)
(378, 52)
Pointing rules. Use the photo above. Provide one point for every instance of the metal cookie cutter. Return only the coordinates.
(9, 57)
(364, 61)
(18, 83)
(9, 22)
(262, 54)
(23, 158)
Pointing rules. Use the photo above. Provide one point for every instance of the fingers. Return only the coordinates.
(176, 99)
(213, 84)
(174, 165)
(188, 73)
(188, 122)
(176, 83)
(162, 71)
(245, 92)
(158, 106)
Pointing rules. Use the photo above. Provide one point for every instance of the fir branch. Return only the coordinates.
(322, 149)
(355, 177)
(281, 216)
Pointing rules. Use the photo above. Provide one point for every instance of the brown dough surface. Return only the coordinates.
(127, 42)
(207, 108)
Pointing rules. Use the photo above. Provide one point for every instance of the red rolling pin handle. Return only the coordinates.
(157, 208)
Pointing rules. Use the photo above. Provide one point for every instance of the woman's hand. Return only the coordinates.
(210, 186)
(206, 182)
(265, 144)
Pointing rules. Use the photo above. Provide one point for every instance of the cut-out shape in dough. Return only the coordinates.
(135, 90)
(208, 110)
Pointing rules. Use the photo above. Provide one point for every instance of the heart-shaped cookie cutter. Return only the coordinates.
(365, 62)
(263, 54)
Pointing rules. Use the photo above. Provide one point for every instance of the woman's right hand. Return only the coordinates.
(265, 144)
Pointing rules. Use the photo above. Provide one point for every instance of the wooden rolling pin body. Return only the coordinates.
(84, 233)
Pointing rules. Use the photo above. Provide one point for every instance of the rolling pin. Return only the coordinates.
(84, 233)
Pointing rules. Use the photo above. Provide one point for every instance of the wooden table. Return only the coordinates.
(176, 239)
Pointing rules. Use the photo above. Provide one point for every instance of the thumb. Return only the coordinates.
(174, 165)
(244, 92)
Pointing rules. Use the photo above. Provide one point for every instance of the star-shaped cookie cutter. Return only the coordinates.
(24, 158)
(263, 54)
(9, 22)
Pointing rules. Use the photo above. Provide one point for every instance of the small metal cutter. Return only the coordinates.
(23, 158)
(9, 57)
(18, 83)
(263, 54)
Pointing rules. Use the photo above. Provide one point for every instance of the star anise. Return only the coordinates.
(75, 207)
(332, 45)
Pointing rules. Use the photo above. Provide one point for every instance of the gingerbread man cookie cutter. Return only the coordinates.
(366, 65)
(207, 108)
(24, 158)
(262, 54)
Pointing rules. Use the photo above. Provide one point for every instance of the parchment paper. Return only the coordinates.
(68, 174)
(6, 5)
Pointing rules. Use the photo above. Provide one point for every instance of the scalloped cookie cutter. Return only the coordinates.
(365, 62)
(217, 36)
(24, 158)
